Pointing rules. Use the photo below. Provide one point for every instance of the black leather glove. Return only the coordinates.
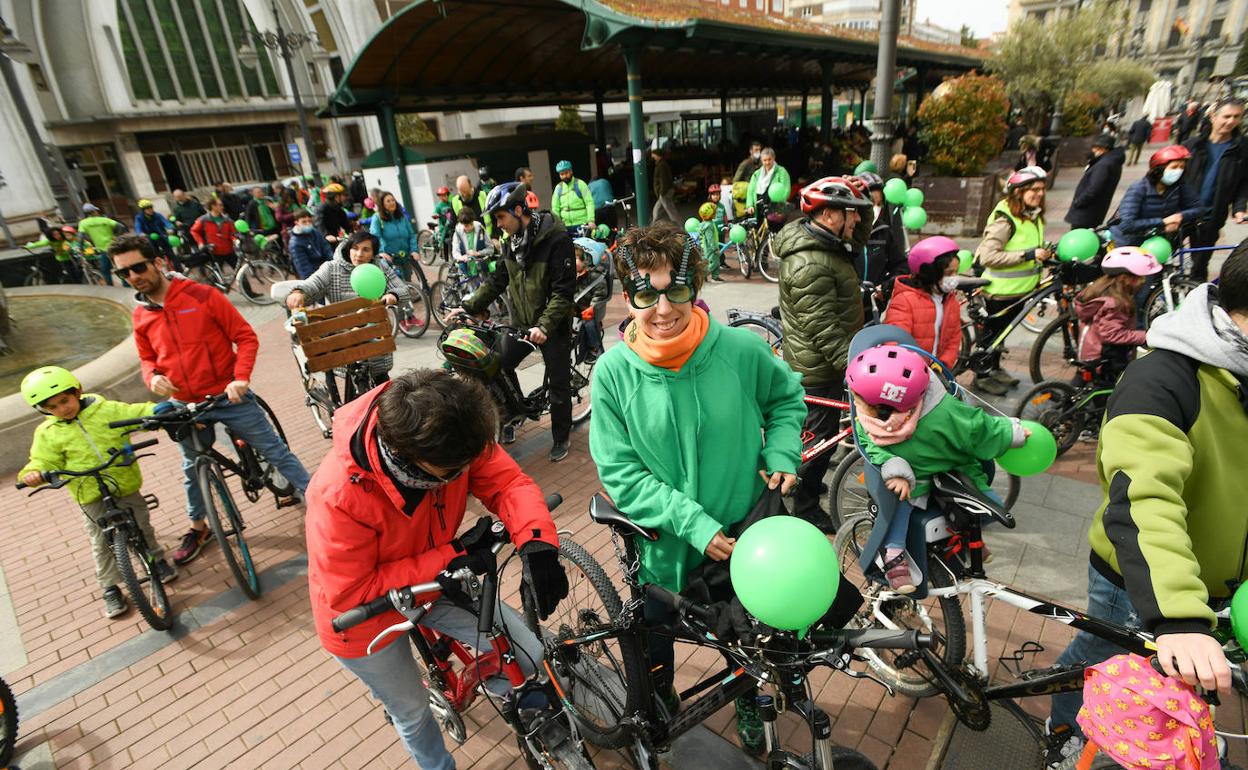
(543, 582)
(733, 624)
(479, 536)
(479, 561)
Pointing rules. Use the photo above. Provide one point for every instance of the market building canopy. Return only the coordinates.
(475, 54)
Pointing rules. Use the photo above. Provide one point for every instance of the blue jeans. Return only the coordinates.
(251, 424)
(106, 267)
(395, 679)
(1106, 601)
(895, 537)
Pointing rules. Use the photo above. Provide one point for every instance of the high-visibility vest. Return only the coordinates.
(1025, 277)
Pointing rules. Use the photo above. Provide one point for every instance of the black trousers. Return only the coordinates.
(995, 324)
(557, 356)
(1204, 236)
(822, 422)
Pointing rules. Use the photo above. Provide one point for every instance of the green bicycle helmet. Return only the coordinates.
(464, 350)
(45, 382)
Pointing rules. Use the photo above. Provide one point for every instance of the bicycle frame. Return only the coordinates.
(827, 444)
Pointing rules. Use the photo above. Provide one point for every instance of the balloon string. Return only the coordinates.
(965, 390)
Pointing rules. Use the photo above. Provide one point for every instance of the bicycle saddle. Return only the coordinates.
(970, 283)
(959, 497)
(603, 511)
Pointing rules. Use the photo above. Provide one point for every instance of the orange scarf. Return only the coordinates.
(670, 353)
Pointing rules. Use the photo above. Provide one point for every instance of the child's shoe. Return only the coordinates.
(115, 604)
(166, 572)
(897, 570)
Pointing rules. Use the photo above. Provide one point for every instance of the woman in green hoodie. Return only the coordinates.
(672, 453)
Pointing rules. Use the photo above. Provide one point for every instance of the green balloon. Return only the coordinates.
(777, 193)
(895, 191)
(913, 217)
(175, 241)
(1033, 457)
(154, 236)
(1161, 250)
(602, 232)
(965, 258)
(736, 234)
(368, 281)
(691, 225)
(1239, 613)
(1078, 245)
(865, 167)
(784, 571)
(914, 197)
(242, 226)
(259, 240)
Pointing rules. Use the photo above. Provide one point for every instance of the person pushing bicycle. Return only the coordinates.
(383, 511)
(74, 436)
(1169, 536)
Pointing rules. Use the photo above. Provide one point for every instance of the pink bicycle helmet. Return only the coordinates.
(888, 375)
(1024, 177)
(1130, 259)
(928, 250)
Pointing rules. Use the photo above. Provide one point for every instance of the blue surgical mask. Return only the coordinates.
(304, 229)
(1171, 175)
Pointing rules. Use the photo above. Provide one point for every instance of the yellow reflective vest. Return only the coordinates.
(1024, 277)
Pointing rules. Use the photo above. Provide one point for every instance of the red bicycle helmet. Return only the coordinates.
(834, 192)
(1167, 154)
(712, 189)
(1024, 177)
(444, 190)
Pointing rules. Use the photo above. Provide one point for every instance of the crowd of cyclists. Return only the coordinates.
(385, 508)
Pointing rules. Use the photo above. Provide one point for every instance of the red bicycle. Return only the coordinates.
(455, 674)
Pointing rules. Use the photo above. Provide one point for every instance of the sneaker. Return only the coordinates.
(409, 325)
(508, 434)
(1063, 748)
(192, 543)
(559, 450)
(166, 572)
(750, 726)
(897, 570)
(1004, 377)
(990, 386)
(115, 604)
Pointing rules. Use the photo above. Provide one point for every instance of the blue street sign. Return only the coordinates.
(295, 156)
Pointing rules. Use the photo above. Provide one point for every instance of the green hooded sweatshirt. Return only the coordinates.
(680, 451)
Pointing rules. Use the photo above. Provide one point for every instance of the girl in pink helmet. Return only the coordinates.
(1106, 308)
(925, 302)
(910, 427)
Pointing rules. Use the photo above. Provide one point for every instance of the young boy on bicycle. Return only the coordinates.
(590, 296)
(75, 436)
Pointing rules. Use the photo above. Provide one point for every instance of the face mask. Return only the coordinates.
(758, 156)
(304, 229)
(949, 284)
(1171, 175)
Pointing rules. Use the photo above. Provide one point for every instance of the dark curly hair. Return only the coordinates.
(657, 246)
(436, 418)
(124, 244)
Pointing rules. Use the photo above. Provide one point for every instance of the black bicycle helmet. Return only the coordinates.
(506, 196)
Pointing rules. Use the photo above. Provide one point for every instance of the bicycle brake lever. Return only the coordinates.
(845, 669)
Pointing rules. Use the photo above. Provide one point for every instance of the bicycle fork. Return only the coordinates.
(821, 728)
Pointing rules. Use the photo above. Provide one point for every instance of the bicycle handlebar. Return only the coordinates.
(59, 478)
(185, 413)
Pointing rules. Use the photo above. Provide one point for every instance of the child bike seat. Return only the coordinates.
(603, 511)
(960, 498)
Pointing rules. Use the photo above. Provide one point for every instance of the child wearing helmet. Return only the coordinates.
(1106, 307)
(911, 428)
(925, 302)
(590, 297)
(443, 216)
(708, 239)
(73, 436)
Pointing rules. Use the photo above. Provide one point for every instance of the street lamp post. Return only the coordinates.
(885, 73)
(285, 44)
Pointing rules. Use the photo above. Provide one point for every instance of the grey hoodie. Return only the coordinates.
(1201, 330)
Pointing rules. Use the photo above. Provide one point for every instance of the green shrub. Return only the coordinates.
(963, 124)
(1079, 112)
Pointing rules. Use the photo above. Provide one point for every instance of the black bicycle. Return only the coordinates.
(212, 469)
(8, 724)
(598, 662)
(411, 316)
(130, 547)
(765, 325)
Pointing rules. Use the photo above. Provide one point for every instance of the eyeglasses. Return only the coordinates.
(648, 296)
(442, 479)
(138, 269)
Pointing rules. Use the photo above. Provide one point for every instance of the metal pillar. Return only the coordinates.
(600, 123)
(825, 96)
(723, 118)
(805, 105)
(885, 73)
(390, 139)
(637, 134)
(288, 56)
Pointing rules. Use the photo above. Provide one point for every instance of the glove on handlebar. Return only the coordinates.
(480, 561)
(478, 537)
(543, 581)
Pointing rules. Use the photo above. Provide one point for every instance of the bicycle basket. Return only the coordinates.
(465, 350)
(775, 222)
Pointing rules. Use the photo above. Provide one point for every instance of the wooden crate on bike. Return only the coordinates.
(343, 332)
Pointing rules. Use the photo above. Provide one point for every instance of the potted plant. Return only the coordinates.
(963, 125)
(1079, 111)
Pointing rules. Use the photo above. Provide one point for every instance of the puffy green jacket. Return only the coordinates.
(780, 185)
(83, 442)
(573, 203)
(820, 301)
(542, 288)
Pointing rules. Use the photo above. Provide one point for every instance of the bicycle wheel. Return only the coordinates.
(92, 276)
(1055, 350)
(582, 382)
(942, 618)
(416, 320)
(35, 278)
(600, 682)
(848, 495)
(256, 278)
(745, 257)
(428, 249)
(567, 754)
(769, 332)
(843, 758)
(442, 297)
(227, 526)
(768, 265)
(1040, 315)
(8, 724)
(144, 587)
(1155, 306)
(1052, 404)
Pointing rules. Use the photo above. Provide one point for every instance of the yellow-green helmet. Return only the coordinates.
(706, 212)
(463, 349)
(45, 382)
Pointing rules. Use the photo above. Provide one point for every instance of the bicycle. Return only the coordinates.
(455, 674)
(1070, 412)
(411, 316)
(8, 724)
(765, 325)
(254, 275)
(597, 663)
(754, 254)
(123, 534)
(956, 570)
(448, 294)
(254, 472)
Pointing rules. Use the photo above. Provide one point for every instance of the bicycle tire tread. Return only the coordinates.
(121, 553)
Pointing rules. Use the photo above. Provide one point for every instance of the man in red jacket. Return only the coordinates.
(215, 231)
(383, 510)
(193, 344)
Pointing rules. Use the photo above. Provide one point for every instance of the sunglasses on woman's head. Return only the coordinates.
(139, 268)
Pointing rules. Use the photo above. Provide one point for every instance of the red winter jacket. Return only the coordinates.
(913, 309)
(361, 543)
(197, 339)
(1105, 323)
(217, 236)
